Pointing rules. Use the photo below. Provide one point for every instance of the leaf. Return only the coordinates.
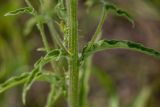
(20, 11)
(118, 11)
(16, 80)
(54, 94)
(61, 10)
(114, 44)
(52, 55)
(13, 82)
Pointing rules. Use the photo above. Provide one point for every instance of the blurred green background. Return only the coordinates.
(132, 72)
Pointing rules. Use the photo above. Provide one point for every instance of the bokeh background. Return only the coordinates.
(131, 72)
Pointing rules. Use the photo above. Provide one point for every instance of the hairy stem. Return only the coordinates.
(73, 96)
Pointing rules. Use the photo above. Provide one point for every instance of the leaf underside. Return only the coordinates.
(121, 44)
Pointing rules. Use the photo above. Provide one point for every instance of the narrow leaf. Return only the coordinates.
(121, 44)
(13, 82)
(118, 11)
(54, 94)
(52, 55)
(16, 80)
(20, 11)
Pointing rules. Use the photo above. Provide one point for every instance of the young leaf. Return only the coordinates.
(52, 55)
(113, 44)
(29, 26)
(20, 11)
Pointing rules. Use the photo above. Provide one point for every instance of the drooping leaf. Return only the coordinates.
(20, 11)
(118, 11)
(48, 77)
(50, 56)
(121, 44)
(13, 82)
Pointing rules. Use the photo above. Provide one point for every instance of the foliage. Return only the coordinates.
(74, 79)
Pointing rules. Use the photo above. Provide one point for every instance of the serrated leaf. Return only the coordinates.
(114, 44)
(52, 55)
(118, 11)
(20, 11)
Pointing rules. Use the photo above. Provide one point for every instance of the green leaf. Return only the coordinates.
(13, 82)
(16, 80)
(114, 44)
(52, 55)
(20, 11)
(61, 10)
(54, 94)
(118, 11)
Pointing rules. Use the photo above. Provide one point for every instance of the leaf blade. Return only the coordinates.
(118, 11)
(50, 56)
(20, 11)
(114, 44)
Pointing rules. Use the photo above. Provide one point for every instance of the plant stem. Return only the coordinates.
(84, 84)
(100, 25)
(44, 39)
(56, 36)
(73, 96)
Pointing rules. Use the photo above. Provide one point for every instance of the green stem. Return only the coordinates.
(56, 36)
(84, 84)
(100, 25)
(73, 58)
(44, 39)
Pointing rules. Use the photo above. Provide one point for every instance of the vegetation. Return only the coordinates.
(71, 67)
